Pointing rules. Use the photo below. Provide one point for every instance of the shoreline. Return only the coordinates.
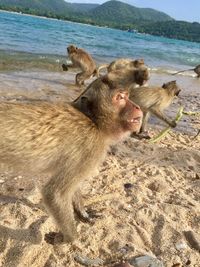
(12, 60)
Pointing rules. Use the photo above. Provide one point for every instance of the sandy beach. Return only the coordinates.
(147, 194)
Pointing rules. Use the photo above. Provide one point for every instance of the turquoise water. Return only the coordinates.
(36, 42)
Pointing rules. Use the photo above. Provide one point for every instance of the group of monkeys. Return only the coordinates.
(70, 140)
(129, 74)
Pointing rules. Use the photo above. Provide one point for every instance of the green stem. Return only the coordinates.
(166, 130)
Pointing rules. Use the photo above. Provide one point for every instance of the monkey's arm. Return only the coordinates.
(163, 117)
(65, 67)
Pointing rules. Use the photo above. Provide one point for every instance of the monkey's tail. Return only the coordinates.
(105, 66)
(181, 71)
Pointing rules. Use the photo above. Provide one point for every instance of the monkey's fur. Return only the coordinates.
(67, 140)
(122, 63)
(153, 100)
(81, 59)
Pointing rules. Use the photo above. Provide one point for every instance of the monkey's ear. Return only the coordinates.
(84, 101)
(106, 80)
(86, 106)
(138, 62)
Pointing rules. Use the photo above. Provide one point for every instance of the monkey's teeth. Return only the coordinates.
(135, 119)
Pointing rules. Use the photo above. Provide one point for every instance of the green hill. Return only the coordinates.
(79, 7)
(121, 13)
(39, 7)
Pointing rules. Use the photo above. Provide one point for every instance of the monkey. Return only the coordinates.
(135, 72)
(153, 100)
(196, 70)
(122, 63)
(67, 140)
(129, 77)
(81, 59)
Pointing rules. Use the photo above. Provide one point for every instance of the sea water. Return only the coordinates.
(30, 41)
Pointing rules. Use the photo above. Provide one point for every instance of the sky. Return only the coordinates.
(188, 10)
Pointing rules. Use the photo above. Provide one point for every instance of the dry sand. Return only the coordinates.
(151, 217)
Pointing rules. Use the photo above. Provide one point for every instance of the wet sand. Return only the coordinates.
(150, 216)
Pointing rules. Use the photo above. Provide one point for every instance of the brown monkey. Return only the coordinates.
(154, 100)
(68, 140)
(196, 70)
(122, 63)
(128, 72)
(129, 77)
(81, 59)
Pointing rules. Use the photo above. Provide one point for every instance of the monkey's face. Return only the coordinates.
(129, 114)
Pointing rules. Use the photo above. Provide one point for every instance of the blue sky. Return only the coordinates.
(188, 10)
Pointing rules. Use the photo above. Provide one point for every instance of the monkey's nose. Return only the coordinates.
(135, 106)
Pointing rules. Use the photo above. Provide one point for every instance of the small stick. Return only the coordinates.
(191, 113)
(166, 130)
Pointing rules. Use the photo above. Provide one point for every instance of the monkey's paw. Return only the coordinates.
(64, 67)
(141, 135)
(88, 216)
(54, 238)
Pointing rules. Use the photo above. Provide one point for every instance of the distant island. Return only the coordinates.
(113, 14)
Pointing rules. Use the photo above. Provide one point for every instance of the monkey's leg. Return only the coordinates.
(144, 122)
(79, 80)
(59, 203)
(82, 76)
(164, 118)
(79, 208)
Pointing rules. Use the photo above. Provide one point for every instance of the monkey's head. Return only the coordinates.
(138, 63)
(172, 88)
(141, 75)
(72, 49)
(109, 107)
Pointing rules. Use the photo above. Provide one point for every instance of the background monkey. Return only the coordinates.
(129, 77)
(154, 100)
(67, 140)
(135, 72)
(122, 63)
(81, 59)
